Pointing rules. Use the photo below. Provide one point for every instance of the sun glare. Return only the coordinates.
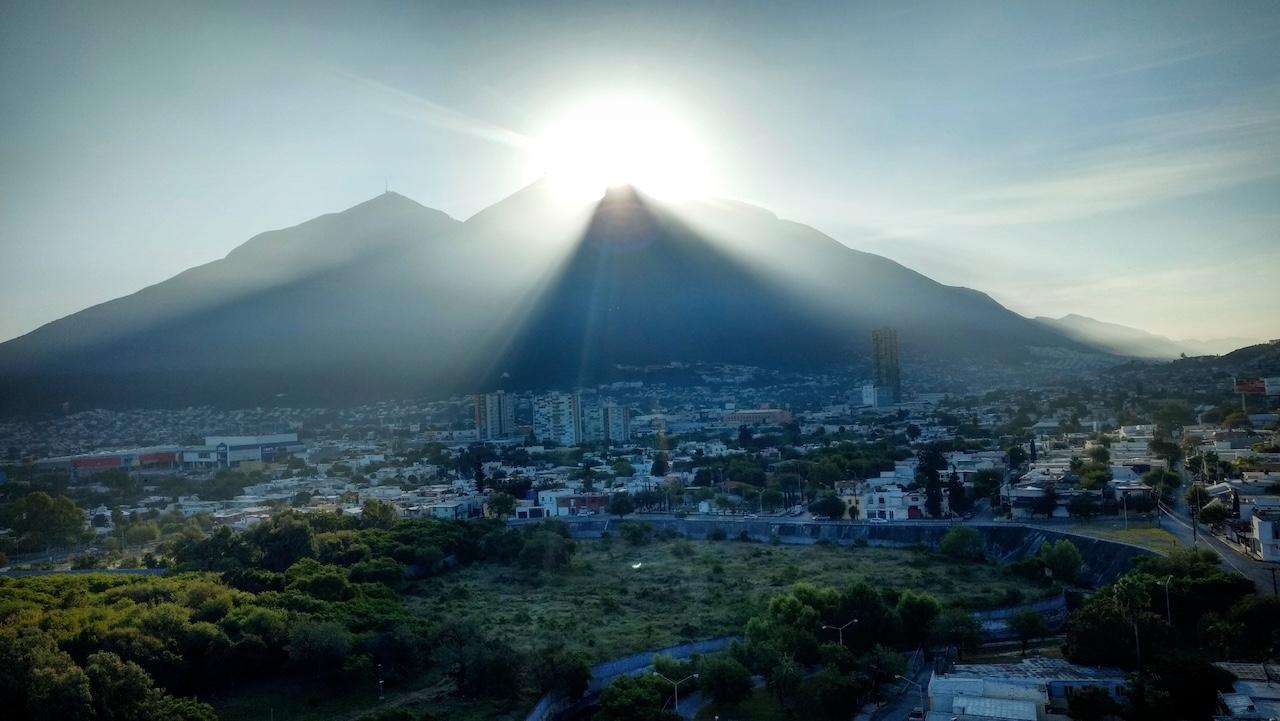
(623, 140)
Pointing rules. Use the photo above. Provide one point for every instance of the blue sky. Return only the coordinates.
(1116, 160)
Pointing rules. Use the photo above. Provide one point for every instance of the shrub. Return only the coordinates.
(963, 543)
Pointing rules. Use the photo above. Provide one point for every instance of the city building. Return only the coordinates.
(756, 416)
(1264, 532)
(232, 451)
(884, 347)
(556, 419)
(877, 396)
(1035, 689)
(495, 416)
(617, 423)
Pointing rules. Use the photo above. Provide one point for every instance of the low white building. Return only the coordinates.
(1265, 535)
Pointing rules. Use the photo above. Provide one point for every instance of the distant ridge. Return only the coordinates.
(1126, 341)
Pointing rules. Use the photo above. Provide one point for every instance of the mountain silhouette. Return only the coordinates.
(393, 299)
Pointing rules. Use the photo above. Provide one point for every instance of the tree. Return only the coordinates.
(168, 708)
(319, 647)
(784, 679)
(1047, 503)
(501, 505)
(957, 497)
(378, 514)
(1091, 703)
(566, 673)
(40, 520)
(1017, 456)
(637, 534)
(1083, 505)
(121, 690)
(660, 465)
(1214, 513)
(142, 533)
(987, 482)
(1028, 624)
(1100, 455)
(917, 611)
(958, 628)
(1197, 497)
(724, 679)
(636, 698)
(1063, 559)
(964, 543)
(623, 469)
(829, 505)
(621, 503)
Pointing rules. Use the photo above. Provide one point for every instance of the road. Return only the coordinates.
(1260, 573)
(907, 698)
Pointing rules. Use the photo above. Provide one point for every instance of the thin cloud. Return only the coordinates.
(438, 115)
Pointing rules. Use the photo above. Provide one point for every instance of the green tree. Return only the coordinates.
(1083, 505)
(637, 534)
(784, 679)
(319, 647)
(1091, 703)
(621, 504)
(1017, 456)
(566, 673)
(121, 690)
(957, 628)
(1063, 559)
(917, 611)
(964, 543)
(501, 505)
(829, 505)
(376, 513)
(1214, 513)
(1197, 497)
(636, 698)
(1029, 625)
(39, 520)
(724, 679)
(660, 465)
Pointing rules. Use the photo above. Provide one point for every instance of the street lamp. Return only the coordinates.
(924, 706)
(840, 629)
(675, 686)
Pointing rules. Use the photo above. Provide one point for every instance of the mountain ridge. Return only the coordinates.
(390, 297)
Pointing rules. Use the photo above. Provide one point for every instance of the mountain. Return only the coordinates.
(390, 298)
(1136, 343)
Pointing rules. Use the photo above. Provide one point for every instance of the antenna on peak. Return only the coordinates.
(386, 186)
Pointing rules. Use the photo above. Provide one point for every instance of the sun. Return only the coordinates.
(624, 140)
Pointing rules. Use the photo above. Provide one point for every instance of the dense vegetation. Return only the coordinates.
(312, 611)
(1164, 621)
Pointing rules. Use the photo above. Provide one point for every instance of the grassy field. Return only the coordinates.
(617, 599)
(1157, 539)
(611, 607)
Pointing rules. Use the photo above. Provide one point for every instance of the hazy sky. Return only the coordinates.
(1118, 160)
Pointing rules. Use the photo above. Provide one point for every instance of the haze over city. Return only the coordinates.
(1064, 159)
(568, 361)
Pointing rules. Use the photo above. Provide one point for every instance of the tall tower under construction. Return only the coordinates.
(884, 346)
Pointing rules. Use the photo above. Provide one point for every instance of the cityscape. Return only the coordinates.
(756, 362)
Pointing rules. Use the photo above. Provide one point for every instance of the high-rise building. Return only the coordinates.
(884, 346)
(617, 422)
(556, 419)
(567, 419)
(495, 415)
